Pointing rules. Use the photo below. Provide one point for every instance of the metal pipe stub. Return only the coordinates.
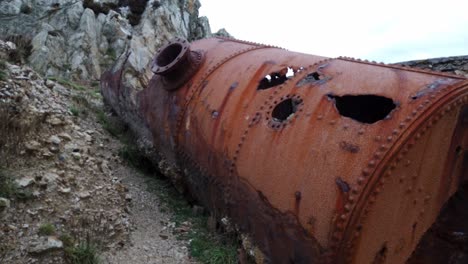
(175, 63)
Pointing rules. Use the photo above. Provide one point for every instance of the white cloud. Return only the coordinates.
(387, 31)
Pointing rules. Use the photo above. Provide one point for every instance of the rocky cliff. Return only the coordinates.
(79, 39)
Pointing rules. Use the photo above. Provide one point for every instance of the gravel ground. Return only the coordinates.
(151, 240)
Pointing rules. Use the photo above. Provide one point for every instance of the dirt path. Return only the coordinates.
(151, 239)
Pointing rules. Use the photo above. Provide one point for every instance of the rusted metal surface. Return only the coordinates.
(319, 160)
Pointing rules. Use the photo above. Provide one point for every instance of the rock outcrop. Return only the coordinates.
(455, 64)
(79, 39)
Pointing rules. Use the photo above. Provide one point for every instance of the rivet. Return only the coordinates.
(332, 122)
(351, 198)
(361, 131)
(378, 138)
(420, 107)
(360, 180)
(377, 154)
(389, 139)
(402, 125)
(371, 163)
(383, 147)
(343, 216)
(347, 207)
(345, 127)
(365, 172)
(378, 190)
(418, 136)
(399, 158)
(395, 132)
(355, 190)
(408, 118)
(414, 112)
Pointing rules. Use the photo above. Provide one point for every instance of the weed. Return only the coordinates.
(46, 229)
(8, 187)
(67, 240)
(84, 253)
(3, 75)
(68, 83)
(205, 246)
(74, 111)
(114, 126)
(111, 53)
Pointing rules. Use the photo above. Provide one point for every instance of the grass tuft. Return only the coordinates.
(83, 253)
(205, 245)
(46, 229)
(8, 187)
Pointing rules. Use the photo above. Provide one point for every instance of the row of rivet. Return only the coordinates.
(393, 165)
(264, 108)
(404, 68)
(362, 180)
(196, 87)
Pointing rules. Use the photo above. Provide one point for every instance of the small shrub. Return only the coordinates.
(83, 253)
(7, 185)
(74, 111)
(67, 240)
(3, 75)
(46, 229)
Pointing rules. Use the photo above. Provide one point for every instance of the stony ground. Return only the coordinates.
(65, 186)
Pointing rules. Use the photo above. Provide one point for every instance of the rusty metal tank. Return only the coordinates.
(318, 160)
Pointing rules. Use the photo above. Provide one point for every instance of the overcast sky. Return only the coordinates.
(388, 31)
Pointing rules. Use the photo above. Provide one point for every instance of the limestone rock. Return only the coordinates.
(45, 244)
(4, 203)
(80, 39)
(24, 182)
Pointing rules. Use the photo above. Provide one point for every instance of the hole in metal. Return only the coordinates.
(364, 108)
(310, 78)
(285, 109)
(276, 78)
(168, 55)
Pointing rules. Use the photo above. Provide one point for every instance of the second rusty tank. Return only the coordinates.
(318, 160)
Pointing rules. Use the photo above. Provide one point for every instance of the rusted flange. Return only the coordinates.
(176, 63)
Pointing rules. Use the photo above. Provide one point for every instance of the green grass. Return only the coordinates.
(83, 253)
(74, 111)
(8, 188)
(68, 83)
(3, 75)
(205, 246)
(46, 229)
(112, 125)
(67, 240)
